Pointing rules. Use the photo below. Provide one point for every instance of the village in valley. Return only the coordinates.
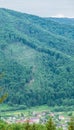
(60, 119)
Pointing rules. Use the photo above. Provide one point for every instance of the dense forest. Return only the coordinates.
(36, 59)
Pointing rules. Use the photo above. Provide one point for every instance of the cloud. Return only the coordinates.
(59, 16)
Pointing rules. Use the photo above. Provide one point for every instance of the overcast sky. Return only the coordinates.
(44, 8)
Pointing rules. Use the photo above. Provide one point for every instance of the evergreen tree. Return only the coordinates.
(27, 126)
(34, 127)
(50, 125)
(71, 124)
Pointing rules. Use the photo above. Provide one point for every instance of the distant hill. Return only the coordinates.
(36, 59)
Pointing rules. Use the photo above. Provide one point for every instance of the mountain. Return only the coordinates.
(36, 59)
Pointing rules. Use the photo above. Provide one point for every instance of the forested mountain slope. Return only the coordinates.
(36, 59)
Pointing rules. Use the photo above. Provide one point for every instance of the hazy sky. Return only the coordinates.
(45, 8)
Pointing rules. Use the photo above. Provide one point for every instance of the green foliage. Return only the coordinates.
(37, 59)
(4, 96)
(50, 125)
(26, 126)
(34, 127)
(71, 124)
(2, 125)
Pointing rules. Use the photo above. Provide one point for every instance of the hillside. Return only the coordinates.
(36, 59)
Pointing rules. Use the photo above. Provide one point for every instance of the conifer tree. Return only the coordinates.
(50, 125)
(27, 126)
(34, 127)
(71, 124)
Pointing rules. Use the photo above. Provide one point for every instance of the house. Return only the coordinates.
(34, 120)
(61, 117)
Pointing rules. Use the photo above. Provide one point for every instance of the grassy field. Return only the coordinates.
(6, 110)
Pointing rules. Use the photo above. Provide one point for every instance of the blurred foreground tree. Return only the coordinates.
(3, 97)
(71, 124)
(50, 125)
